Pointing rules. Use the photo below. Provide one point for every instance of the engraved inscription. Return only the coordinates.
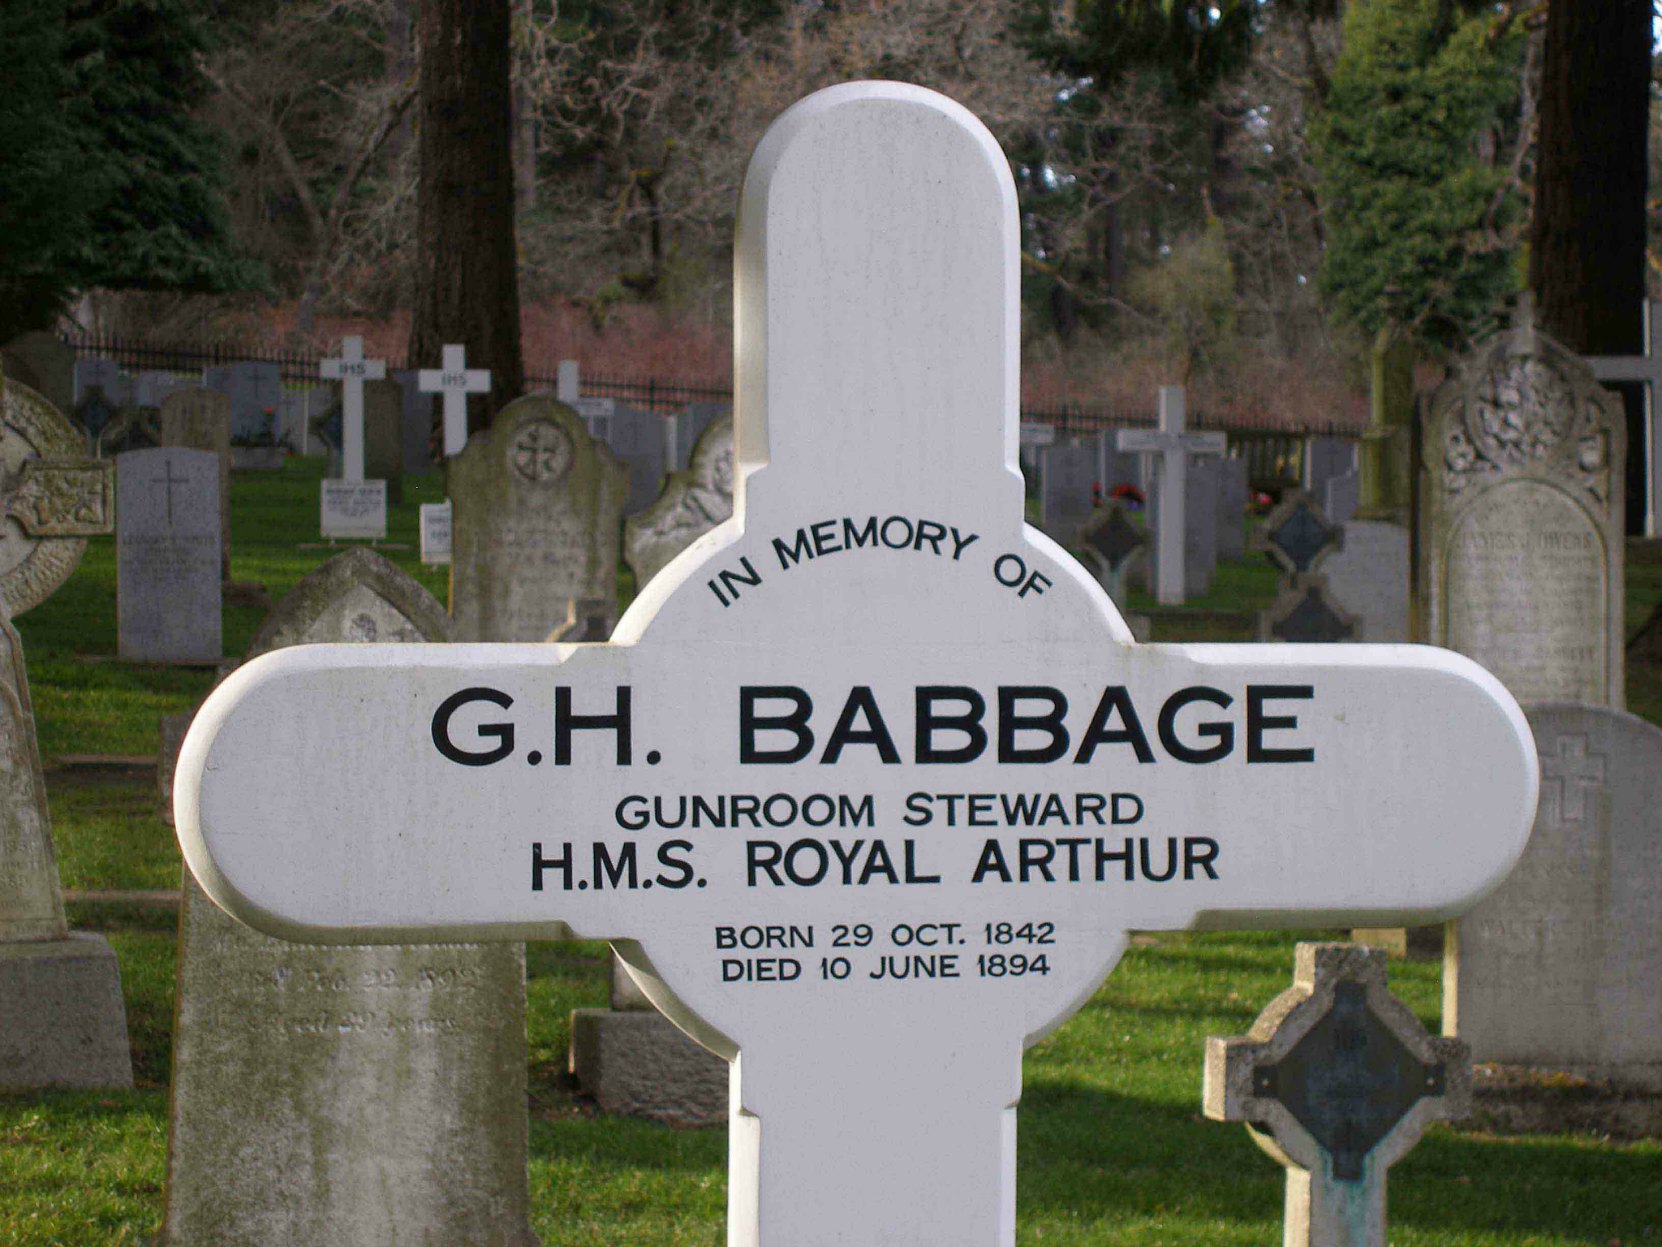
(1526, 593)
(542, 453)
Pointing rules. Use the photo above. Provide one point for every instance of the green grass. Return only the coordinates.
(1113, 1149)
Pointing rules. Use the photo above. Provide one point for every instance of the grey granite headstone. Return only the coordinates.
(1337, 1080)
(1200, 527)
(1561, 966)
(383, 436)
(1326, 458)
(345, 1095)
(1369, 580)
(201, 420)
(1067, 488)
(63, 1023)
(256, 391)
(167, 541)
(537, 518)
(1110, 543)
(1521, 521)
(1296, 534)
(686, 426)
(637, 439)
(416, 423)
(1340, 495)
(1234, 489)
(46, 364)
(1305, 612)
(692, 503)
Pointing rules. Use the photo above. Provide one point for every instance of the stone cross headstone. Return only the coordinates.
(94, 413)
(596, 411)
(1298, 538)
(46, 364)
(1561, 966)
(63, 1024)
(1646, 368)
(1068, 483)
(435, 532)
(201, 420)
(454, 380)
(345, 1095)
(255, 389)
(1200, 527)
(1109, 542)
(1337, 1080)
(168, 557)
(1170, 444)
(791, 787)
(537, 510)
(351, 369)
(1521, 525)
(693, 503)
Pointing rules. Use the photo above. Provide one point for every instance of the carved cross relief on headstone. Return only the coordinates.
(868, 794)
(1337, 1080)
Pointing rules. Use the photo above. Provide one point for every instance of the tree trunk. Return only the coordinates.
(525, 134)
(1587, 236)
(466, 286)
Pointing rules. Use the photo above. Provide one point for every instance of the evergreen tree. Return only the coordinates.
(1411, 201)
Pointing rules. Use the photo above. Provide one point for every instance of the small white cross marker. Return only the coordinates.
(352, 370)
(1171, 445)
(1646, 368)
(455, 380)
(871, 782)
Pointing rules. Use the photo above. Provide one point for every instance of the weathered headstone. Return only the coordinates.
(255, 389)
(435, 532)
(1234, 490)
(323, 1096)
(383, 436)
(693, 502)
(1521, 530)
(1337, 1080)
(810, 674)
(537, 514)
(1561, 966)
(102, 374)
(1067, 488)
(1171, 445)
(455, 381)
(63, 1024)
(1297, 538)
(353, 510)
(168, 556)
(201, 420)
(46, 364)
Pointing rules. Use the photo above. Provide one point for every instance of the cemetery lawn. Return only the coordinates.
(1113, 1148)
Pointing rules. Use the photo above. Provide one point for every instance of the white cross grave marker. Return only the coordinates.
(871, 781)
(455, 380)
(352, 370)
(1646, 368)
(1171, 445)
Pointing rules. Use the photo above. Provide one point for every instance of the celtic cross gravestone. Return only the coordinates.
(870, 795)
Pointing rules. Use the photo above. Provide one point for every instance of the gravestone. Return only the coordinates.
(1561, 966)
(46, 364)
(63, 1024)
(416, 423)
(168, 556)
(94, 413)
(1367, 580)
(637, 439)
(353, 372)
(323, 1096)
(686, 426)
(201, 420)
(1337, 1080)
(383, 436)
(1067, 488)
(1521, 528)
(150, 389)
(454, 380)
(1325, 459)
(353, 510)
(105, 375)
(1171, 445)
(435, 532)
(1647, 370)
(255, 389)
(1109, 543)
(693, 502)
(866, 620)
(1305, 612)
(1298, 538)
(1340, 495)
(537, 508)
(1234, 490)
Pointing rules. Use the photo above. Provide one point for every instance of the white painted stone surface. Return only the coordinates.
(435, 532)
(353, 509)
(901, 633)
(454, 381)
(351, 369)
